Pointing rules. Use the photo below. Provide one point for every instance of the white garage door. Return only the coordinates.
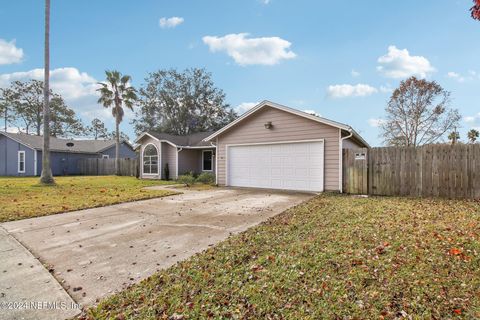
(289, 166)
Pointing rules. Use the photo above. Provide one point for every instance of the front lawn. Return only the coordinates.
(334, 257)
(22, 198)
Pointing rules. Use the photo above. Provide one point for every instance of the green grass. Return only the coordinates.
(22, 198)
(334, 257)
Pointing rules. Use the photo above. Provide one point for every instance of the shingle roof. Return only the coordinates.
(192, 140)
(58, 144)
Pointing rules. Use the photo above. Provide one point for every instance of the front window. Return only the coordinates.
(207, 160)
(150, 160)
(21, 161)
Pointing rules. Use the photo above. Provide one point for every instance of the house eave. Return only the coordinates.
(197, 147)
(16, 140)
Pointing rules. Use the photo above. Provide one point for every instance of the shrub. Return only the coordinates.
(206, 177)
(186, 179)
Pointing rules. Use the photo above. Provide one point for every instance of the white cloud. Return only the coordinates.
(348, 90)
(69, 82)
(9, 53)
(355, 73)
(170, 22)
(375, 122)
(386, 89)
(469, 119)
(251, 51)
(456, 76)
(400, 64)
(472, 119)
(312, 112)
(77, 88)
(244, 107)
(265, 1)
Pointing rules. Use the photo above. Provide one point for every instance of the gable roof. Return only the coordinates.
(60, 145)
(274, 105)
(191, 140)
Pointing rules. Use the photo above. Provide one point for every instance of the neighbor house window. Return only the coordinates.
(105, 156)
(150, 160)
(207, 160)
(21, 161)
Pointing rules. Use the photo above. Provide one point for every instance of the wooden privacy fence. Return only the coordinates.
(430, 171)
(106, 167)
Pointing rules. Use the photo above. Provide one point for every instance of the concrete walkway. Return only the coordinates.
(96, 252)
(27, 289)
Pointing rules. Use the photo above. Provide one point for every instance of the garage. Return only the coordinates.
(289, 166)
(278, 147)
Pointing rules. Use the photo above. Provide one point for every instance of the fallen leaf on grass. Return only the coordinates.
(455, 252)
(256, 268)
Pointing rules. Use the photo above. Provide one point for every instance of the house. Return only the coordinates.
(21, 154)
(269, 146)
(181, 154)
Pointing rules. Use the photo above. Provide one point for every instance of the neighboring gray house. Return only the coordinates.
(181, 153)
(269, 146)
(21, 154)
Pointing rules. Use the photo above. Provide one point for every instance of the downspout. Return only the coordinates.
(341, 157)
(216, 163)
(176, 169)
(35, 162)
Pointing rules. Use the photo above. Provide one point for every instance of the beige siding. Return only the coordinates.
(286, 127)
(146, 141)
(169, 155)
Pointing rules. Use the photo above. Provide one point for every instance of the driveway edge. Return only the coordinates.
(27, 289)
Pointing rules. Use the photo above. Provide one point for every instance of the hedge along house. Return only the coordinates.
(181, 154)
(21, 154)
(277, 147)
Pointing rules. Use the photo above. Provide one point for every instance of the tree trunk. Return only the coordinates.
(46, 177)
(117, 146)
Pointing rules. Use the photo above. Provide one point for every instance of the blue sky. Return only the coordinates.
(338, 58)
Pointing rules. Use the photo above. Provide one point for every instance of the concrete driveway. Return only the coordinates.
(96, 252)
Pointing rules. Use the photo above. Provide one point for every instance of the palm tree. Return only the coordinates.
(46, 176)
(454, 136)
(473, 135)
(116, 93)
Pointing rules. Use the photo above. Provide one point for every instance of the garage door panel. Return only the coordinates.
(291, 166)
(302, 173)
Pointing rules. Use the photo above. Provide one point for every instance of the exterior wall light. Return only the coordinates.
(268, 125)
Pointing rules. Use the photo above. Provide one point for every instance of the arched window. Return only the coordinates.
(150, 159)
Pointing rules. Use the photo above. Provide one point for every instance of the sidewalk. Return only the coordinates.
(27, 289)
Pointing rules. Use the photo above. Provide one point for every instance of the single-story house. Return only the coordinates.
(21, 154)
(269, 146)
(181, 154)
